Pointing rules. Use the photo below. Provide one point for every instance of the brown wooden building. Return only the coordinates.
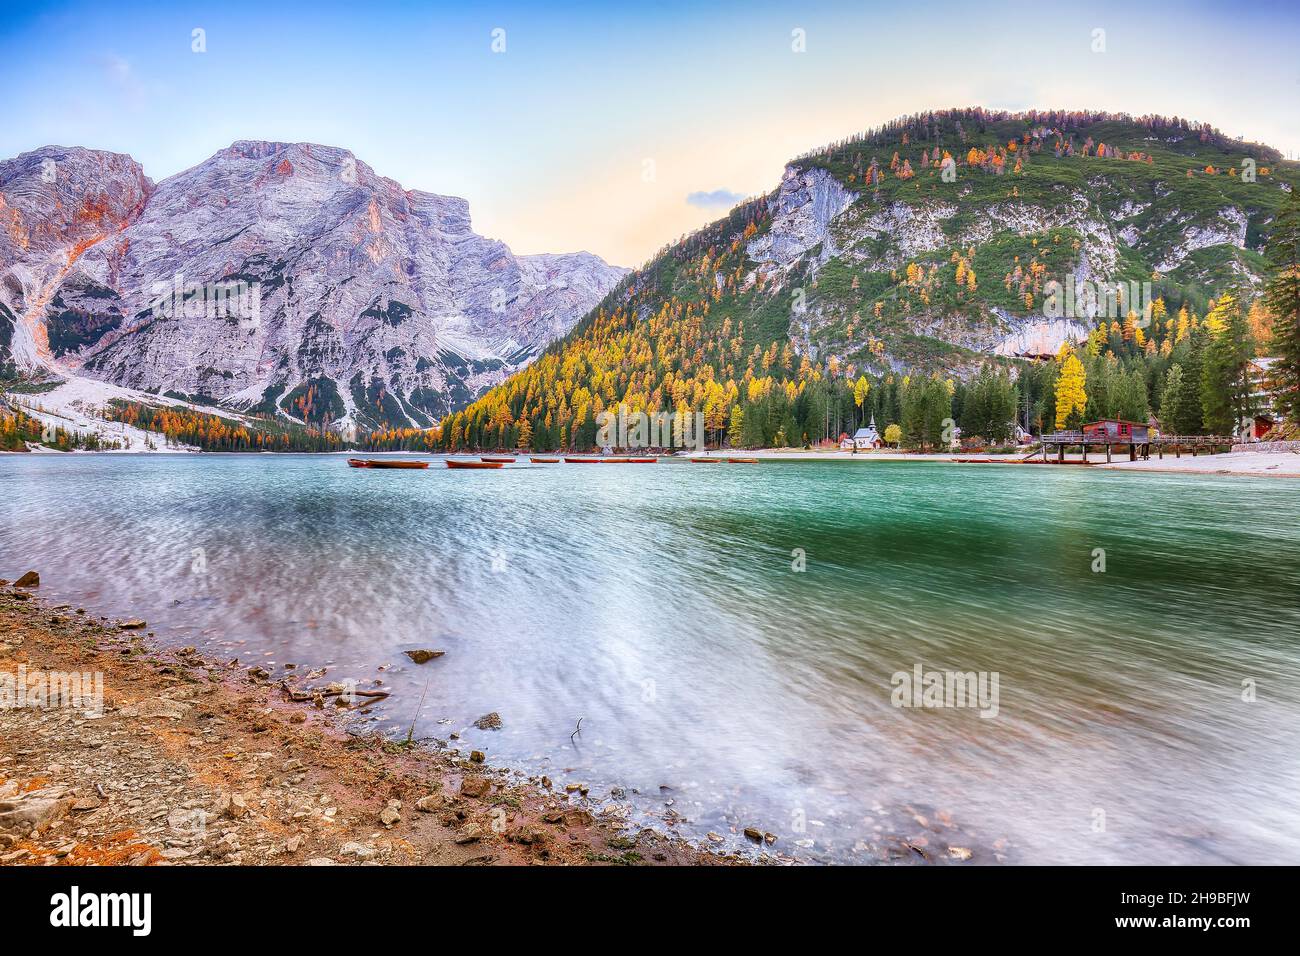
(1117, 431)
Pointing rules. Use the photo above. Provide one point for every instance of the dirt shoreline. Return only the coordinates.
(198, 762)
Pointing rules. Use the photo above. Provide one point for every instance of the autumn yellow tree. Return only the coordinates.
(1071, 397)
(860, 390)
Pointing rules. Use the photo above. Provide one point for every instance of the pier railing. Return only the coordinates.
(1137, 447)
(1184, 441)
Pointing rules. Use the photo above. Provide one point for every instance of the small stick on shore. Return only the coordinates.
(410, 734)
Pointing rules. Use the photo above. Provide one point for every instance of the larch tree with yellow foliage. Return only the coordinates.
(1071, 393)
(860, 390)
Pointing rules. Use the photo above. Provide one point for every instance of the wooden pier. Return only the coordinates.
(1137, 447)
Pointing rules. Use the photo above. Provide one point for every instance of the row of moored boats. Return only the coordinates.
(486, 461)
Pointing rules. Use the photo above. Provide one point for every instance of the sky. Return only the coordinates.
(612, 128)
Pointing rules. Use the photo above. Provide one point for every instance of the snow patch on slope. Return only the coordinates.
(78, 404)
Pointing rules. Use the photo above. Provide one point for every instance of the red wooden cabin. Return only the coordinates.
(1117, 431)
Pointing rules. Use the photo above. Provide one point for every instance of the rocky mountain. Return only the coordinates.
(938, 242)
(282, 279)
(878, 227)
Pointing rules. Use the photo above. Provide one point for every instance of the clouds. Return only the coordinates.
(717, 199)
(117, 68)
(121, 76)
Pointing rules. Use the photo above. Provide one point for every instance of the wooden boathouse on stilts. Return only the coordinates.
(1138, 439)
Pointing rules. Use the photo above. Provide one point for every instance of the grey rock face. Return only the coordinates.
(806, 204)
(339, 295)
(816, 220)
(55, 203)
(1228, 227)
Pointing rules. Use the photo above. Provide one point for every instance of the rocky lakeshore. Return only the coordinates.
(171, 758)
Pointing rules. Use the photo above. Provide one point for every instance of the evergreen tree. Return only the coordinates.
(1187, 416)
(752, 431)
(1044, 407)
(927, 405)
(788, 434)
(938, 412)
(1169, 398)
(1129, 397)
(990, 408)
(913, 411)
(975, 409)
(1282, 296)
(1225, 374)
(1102, 376)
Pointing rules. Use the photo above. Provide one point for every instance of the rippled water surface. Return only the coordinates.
(659, 604)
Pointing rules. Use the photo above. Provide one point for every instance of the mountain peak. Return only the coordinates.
(373, 304)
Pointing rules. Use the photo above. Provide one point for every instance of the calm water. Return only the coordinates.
(714, 682)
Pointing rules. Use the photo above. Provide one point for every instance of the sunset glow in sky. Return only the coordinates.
(611, 130)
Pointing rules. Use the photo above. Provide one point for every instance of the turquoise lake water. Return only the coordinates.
(718, 686)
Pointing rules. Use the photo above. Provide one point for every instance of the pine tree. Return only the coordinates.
(990, 408)
(1129, 400)
(1169, 398)
(752, 433)
(1282, 296)
(975, 409)
(912, 399)
(1225, 375)
(1187, 416)
(938, 410)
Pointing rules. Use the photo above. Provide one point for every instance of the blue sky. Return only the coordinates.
(612, 128)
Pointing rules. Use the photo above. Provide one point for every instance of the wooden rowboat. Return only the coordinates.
(545, 461)
(583, 461)
(706, 461)
(498, 461)
(384, 463)
(643, 461)
(453, 463)
(743, 461)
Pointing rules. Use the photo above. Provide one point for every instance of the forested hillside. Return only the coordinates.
(919, 253)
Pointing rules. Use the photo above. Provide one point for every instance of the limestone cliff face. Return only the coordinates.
(55, 205)
(341, 296)
(806, 204)
(819, 226)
